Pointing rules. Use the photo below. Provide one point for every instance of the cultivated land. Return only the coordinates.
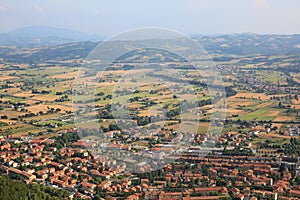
(59, 120)
(45, 94)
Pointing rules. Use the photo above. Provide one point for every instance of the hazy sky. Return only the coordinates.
(107, 17)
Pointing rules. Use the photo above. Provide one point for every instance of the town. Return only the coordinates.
(64, 163)
(61, 139)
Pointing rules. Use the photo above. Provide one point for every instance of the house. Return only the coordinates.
(59, 183)
(164, 183)
(119, 146)
(38, 142)
(222, 190)
(12, 172)
(111, 134)
(43, 174)
(202, 198)
(56, 165)
(104, 175)
(266, 194)
(133, 197)
(5, 147)
(104, 184)
(170, 195)
(88, 187)
(81, 196)
(95, 173)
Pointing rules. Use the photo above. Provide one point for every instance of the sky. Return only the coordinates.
(109, 17)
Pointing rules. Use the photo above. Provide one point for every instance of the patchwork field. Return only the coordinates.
(45, 94)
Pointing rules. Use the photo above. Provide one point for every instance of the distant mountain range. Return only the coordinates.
(38, 44)
(251, 44)
(34, 36)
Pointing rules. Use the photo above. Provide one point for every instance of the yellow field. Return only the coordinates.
(45, 97)
(232, 111)
(8, 121)
(284, 118)
(272, 113)
(44, 108)
(149, 113)
(135, 105)
(264, 105)
(24, 94)
(7, 77)
(11, 113)
(273, 135)
(296, 104)
(10, 90)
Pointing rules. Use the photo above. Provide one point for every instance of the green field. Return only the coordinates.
(257, 115)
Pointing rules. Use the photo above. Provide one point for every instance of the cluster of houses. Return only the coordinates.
(253, 82)
(83, 174)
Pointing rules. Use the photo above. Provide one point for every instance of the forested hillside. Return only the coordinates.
(15, 190)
